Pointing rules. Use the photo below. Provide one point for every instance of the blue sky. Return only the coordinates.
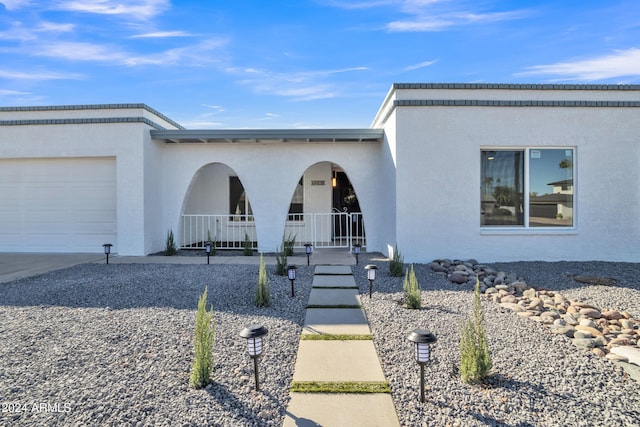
(300, 63)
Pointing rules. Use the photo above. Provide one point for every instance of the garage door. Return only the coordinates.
(57, 205)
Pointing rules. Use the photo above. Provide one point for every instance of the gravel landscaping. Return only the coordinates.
(112, 345)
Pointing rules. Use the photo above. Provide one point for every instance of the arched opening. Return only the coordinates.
(216, 208)
(324, 210)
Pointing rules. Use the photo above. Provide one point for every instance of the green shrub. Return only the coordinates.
(281, 262)
(262, 297)
(412, 293)
(170, 245)
(396, 265)
(204, 337)
(247, 245)
(287, 245)
(475, 359)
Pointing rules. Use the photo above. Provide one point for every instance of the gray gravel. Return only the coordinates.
(112, 345)
(539, 379)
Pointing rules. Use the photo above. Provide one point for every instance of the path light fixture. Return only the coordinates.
(291, 272)
(207, 249)
(254, 335)
(356, 251)
(107, 250)
(308, 248)
(422, 340)
(371, 275)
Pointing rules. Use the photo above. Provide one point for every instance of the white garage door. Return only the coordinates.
(57, 205)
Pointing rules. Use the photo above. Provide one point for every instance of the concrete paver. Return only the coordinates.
(336, 321)
(336, 297)
(333, 270)
(333, 281)
(340, 410)
(337, 361)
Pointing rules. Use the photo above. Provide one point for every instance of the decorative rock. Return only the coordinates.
(631, 353)
(593, 331)
(585, 343)
(512, 306)
(525, 313)
(437, 267)
(616, 357)
(588, 322)
(459, 277)
(598, 352)
(530, 293)
(612, 315)
(508, 299)
(590, 312)
(582, 334)
(563, 330)
(490, 291)
(626, 324)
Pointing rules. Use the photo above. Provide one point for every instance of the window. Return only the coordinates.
(239, 205)
(528, 188)
(296, 208)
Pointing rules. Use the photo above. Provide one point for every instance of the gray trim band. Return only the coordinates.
(495, 103)
(513, 86)
(81, 121)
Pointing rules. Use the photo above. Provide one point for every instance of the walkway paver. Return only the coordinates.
(336, 321)
(338, 362)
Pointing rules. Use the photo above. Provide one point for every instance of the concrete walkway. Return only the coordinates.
(335, 309)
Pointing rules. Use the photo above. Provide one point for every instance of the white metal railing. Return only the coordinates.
(323, 230)
(227, 231)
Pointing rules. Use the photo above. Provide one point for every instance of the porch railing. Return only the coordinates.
(323, 230)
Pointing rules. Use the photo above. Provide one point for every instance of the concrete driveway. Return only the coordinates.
(15, 266)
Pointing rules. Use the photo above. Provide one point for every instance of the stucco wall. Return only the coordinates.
(438, 181)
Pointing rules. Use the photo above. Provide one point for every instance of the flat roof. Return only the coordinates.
(191, 136)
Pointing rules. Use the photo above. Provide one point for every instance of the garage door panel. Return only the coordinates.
(57, 205)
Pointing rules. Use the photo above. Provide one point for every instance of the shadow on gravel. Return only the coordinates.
(231, 288)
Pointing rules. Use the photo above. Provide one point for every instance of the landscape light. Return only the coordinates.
(253, 334)
(422, 340)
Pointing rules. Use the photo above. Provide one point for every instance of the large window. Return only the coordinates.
(531, 187)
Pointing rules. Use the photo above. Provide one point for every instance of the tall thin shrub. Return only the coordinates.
(281, 261)
(412, 292)
(262, 297)
(287, 244)
(170, 247)
(475, 358)
(247, 245)
(204, 337)
(396, 265)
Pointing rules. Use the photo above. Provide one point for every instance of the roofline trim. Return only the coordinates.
(507, 86)
(262, 135)
(95, 107)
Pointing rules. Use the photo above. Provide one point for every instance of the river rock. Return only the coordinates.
(631, 353)
(590, 312)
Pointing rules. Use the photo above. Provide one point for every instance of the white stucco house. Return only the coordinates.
(496, 172)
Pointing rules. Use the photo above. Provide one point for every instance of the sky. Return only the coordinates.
(238, 64)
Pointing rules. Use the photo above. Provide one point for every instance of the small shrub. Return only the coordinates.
(287, 245)
(281, 262)
(475, 359)
(262, 297)
(412, 293)
(204, 337)
(396, 265)
(247, 245)
(170, 247)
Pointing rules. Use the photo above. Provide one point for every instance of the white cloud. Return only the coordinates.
(161, 34)
(4, 92)
(24, 75)
(621, 63)
(54, 27)
(137, 9)
(15, 4)
(420, 65)
(78, 51)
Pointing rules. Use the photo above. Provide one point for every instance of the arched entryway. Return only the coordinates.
(325, 210)
(216, 208)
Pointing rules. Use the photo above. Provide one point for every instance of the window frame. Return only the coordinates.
(526, 228)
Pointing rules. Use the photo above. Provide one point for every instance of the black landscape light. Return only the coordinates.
(253, 334)
(107, 250)
(308, 248)
(207, 248)
(422, 340)
(356, 251)
(371, 275)
(291, 272)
